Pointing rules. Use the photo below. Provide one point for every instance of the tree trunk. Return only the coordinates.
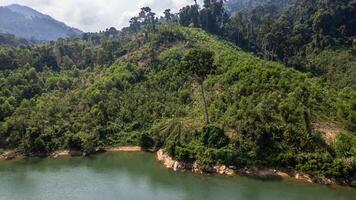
(205, 104)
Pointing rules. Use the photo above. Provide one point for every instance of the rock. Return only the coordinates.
(223, 170)
(100, 150)
(57, 154)
(176, 166)
(76, 153)
(353, 184)
(202, 169)
(282, 174)
(324, 181)
(196, 168)
(231, 170)
(181, 166)
(166, 160)
(303, 177)
(9, 155)
(266, 173)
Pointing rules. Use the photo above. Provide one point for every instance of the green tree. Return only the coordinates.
(199, 63)
(167, 15)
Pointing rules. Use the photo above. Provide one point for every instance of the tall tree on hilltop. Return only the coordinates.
(189, 15)
(168, 15)
(199, 63)
(213, 16)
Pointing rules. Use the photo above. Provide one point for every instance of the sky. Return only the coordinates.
(96, 15)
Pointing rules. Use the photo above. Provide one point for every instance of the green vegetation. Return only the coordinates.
(311, 36)
(199, 63)
(139, 87)
(314, 36)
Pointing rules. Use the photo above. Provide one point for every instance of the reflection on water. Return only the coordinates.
(139, 176)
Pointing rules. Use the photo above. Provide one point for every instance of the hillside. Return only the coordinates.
(130, 89)
(27, 23)
(311, 36)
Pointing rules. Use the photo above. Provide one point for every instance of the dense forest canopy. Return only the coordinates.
(175, 82)
(299, 34)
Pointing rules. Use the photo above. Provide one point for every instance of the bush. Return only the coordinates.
(184, 154)
(340, 168)
(226, 156)
(345, 145)
(146, 141)
(82, 142)
(205, 156)
(39, 146)
(214, 137)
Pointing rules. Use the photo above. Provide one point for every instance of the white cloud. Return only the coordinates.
(95, 15)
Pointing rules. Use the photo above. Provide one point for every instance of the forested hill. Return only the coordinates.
(25, 22)
(314, 36)
(193, 93)
(138, 88)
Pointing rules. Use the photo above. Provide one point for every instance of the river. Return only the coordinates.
(136, 176)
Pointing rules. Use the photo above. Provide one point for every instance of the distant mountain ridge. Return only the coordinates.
(25, 22)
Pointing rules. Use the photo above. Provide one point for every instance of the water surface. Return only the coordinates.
(136, 176)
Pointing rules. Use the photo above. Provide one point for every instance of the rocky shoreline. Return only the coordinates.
(170, 163)
(9, 155)
(256, 172)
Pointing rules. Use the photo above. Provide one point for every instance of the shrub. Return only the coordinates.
(345, 145)
(214, 137)
(82, 142)
(146, 141)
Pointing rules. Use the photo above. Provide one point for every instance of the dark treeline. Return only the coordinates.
(301, 34)
(10, 40)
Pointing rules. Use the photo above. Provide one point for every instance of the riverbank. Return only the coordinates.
(255, 172)
(95, 151)
(170, 163)
(11, 154)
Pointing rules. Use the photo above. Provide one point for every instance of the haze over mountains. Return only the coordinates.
(28, 23)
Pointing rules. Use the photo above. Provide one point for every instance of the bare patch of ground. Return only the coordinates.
(124, 149)
(328, 130)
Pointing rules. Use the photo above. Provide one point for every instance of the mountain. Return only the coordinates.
(28, 23)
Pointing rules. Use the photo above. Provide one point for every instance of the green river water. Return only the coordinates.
(136, 176)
